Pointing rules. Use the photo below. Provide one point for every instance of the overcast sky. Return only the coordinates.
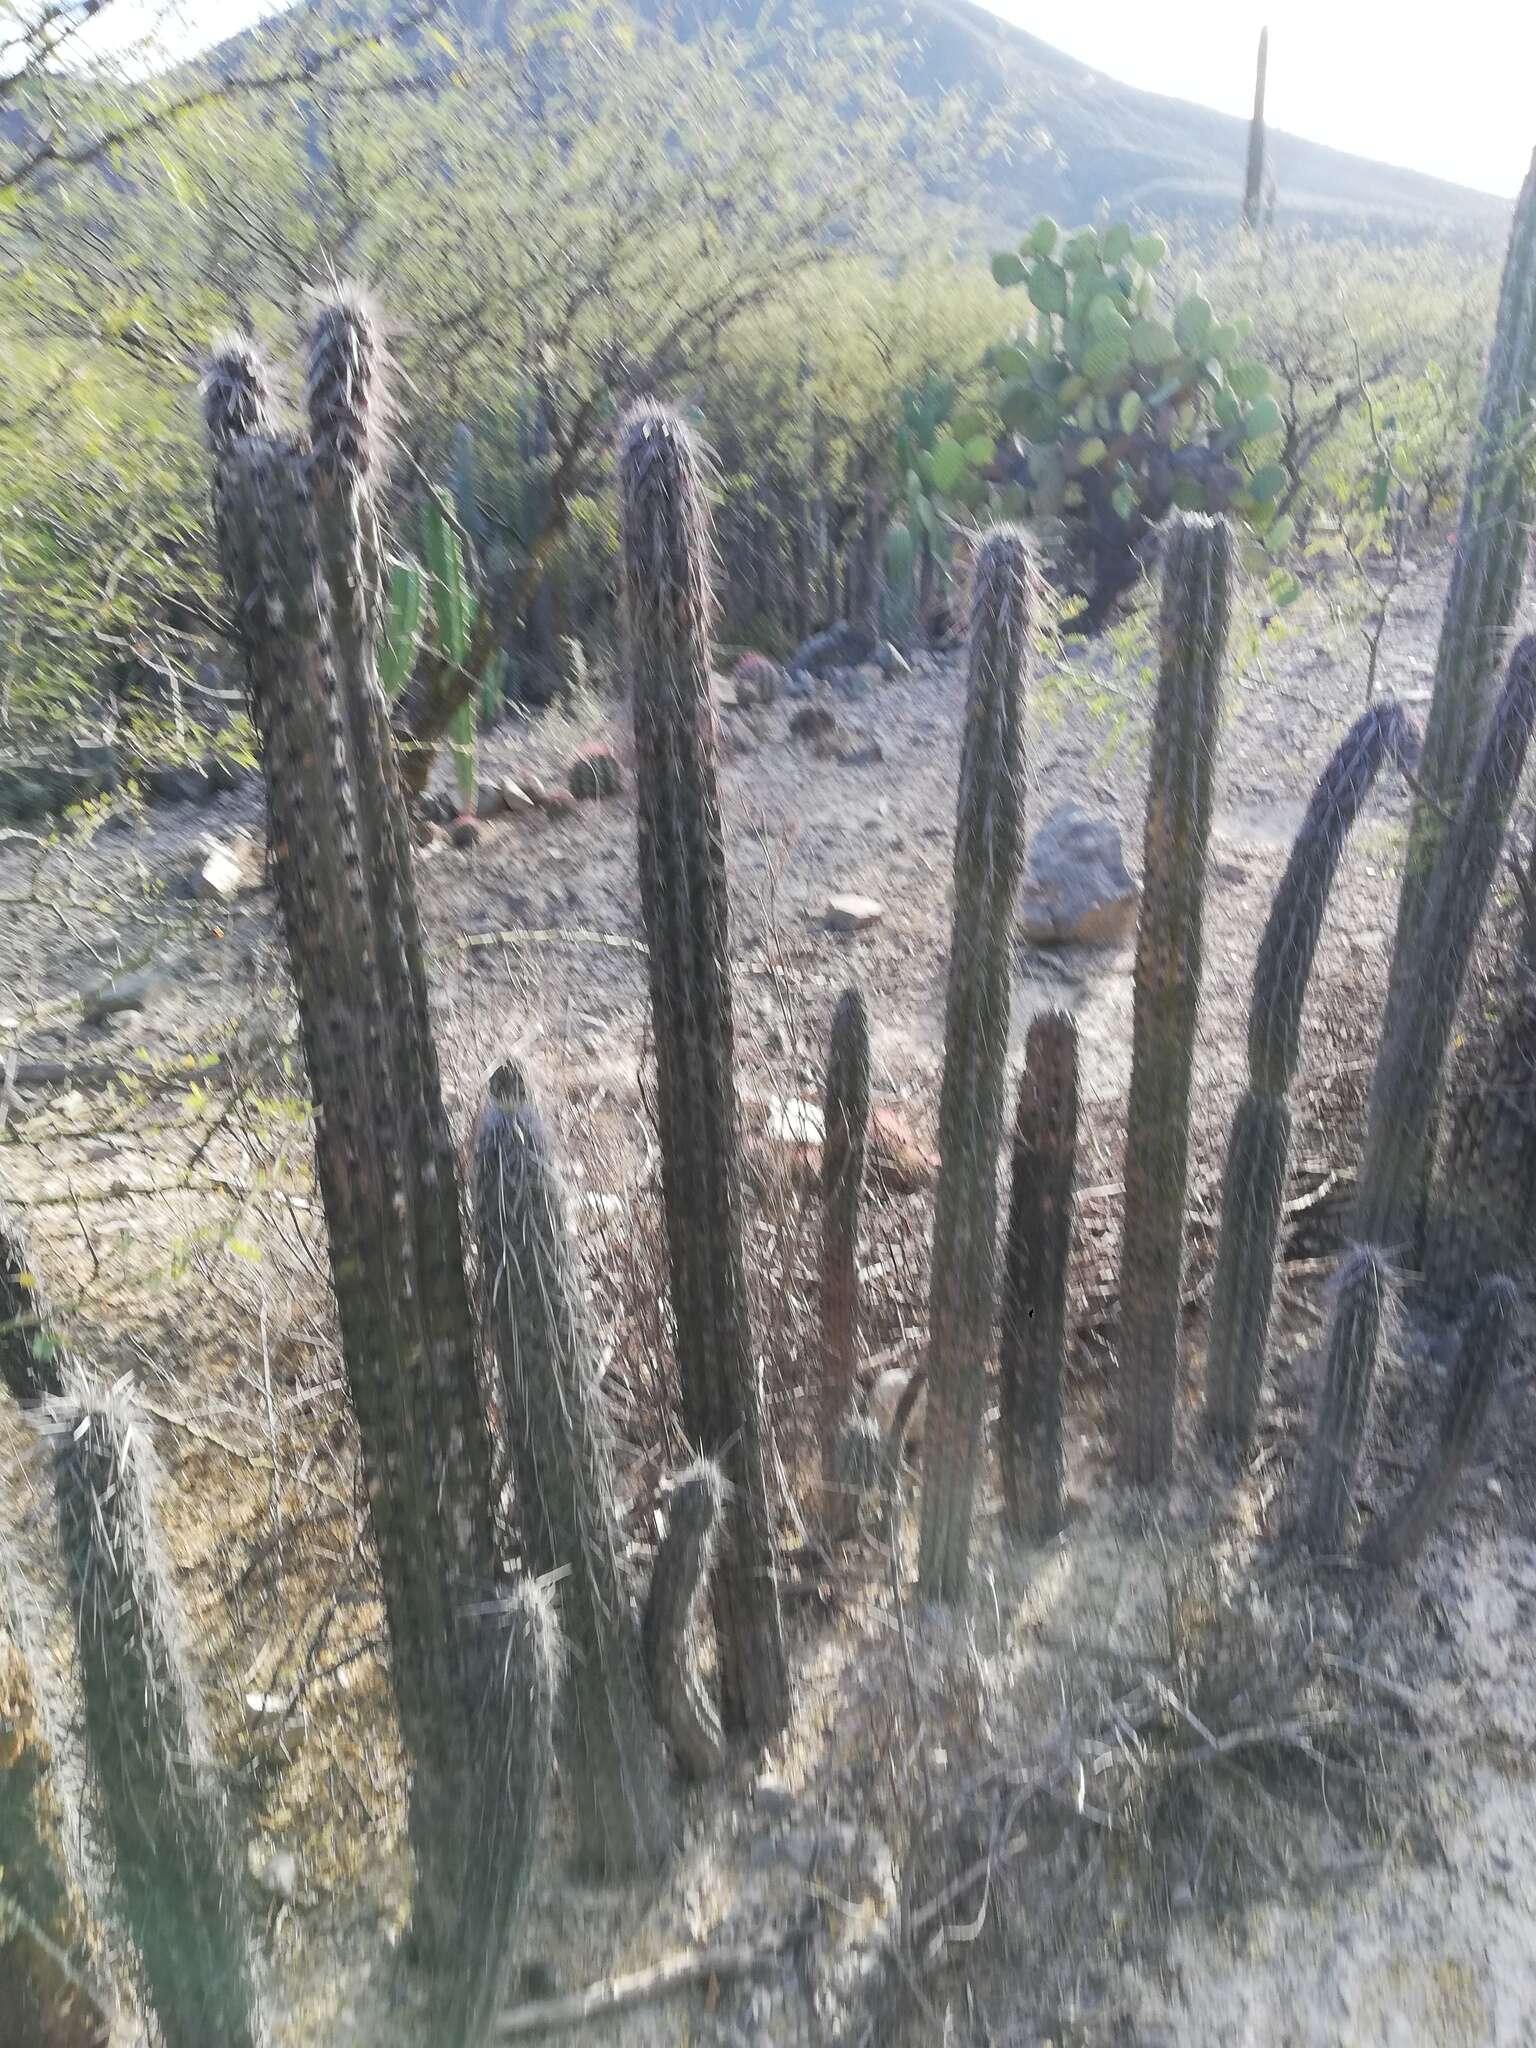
(1451, 91)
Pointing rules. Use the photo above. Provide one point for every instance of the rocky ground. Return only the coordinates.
(173, 1214)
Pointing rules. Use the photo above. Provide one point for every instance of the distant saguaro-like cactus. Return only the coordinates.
(988, 855)
(1361, 1304)
(667, 617)
(670, 1633)
(844, 1141)
(177, 1879)
(1253, 181)
(386, 1164)
(1405, 1088)
(1253, 1189)
(1481, 1360)
(1186, 718)
(563, 1470)
(1032, 1355)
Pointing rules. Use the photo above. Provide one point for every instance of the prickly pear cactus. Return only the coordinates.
(177, 1879)
(1186, 720)
(1032, 1354)
(563, 1465)
(670, 1633)
(988, 856)
(844, 1141)
(1253, 1187)
(668, 608)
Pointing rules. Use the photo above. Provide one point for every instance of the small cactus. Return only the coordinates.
(1405, 1088)
(1253, 1187)
(29, 1356)
(668, 606)
(237, 395)
(988, 854)
(1360, 1307)
(1193, 626)
(516, 1661)
(844, 1143)
(177, 1878)
(1480, 1363)
(670, 1632)
(563, 1470)
(1032, 1356)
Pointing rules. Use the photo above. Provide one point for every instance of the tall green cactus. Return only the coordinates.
(667, 607)
(563, 1470)
(1361, 1302)
(1493, 539)
(669, 1635)
(1193, 627)
(1482, 1358)
(1253, 1188)
(844, 1142)
(1032, 1352)
(177, 1879)
(1253, 181)
(515, 1670)
(386, 1163)
(988, 856)
(1406, 1085)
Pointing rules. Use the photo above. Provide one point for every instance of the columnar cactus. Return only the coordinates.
(988, 853)
(177, 1880)
(1480, 1363)
(844, 1142)
(29, 1357)
(1253, 182)
(1360, 1306)
(1493, 539)
(1032, 1354)
(1482, 1215)
(1193, 628)
(667, 618)
(563, 1472)
(1406, 1085)
(670, 1633)
(1253, 1189)
(516, 1661)
(387, 1172)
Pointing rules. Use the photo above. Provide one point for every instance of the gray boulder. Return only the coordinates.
(1077, 891)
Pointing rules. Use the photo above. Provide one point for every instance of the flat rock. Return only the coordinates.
(898, 1162)
(232, 868)
(1077, 891)
(126, 992)
(853, 913)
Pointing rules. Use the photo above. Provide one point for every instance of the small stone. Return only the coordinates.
(813, 722)
(754, 680)
(867, 756)
(277, 1873)
(437, 808)
(515, 800)
(771, 1796)
(231, 869)
(595, 773)
(129, 992)
(556, 803)
(853, 913)
(1077, 890)
(898, 1164)
(489, 799)
(464, 833)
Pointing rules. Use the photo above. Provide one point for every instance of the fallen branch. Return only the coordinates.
(639, 1987)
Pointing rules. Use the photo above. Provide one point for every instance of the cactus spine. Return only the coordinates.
(1360, 1305)
(844, 1143)
(177, 1879)
(667, 620)
(1493, 538)
(515, 1669)
(1032, 1356)
(988, 849)
(1480, 1363)
(1253, 1188)
(670, 1633)
(1406, 1085)
(1253, 183)
(1193, 626)
(567, 1506)
(346, 893)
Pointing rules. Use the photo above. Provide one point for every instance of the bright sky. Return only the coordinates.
(1453, 94)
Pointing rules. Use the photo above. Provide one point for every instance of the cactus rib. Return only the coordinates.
(1360, 1307)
